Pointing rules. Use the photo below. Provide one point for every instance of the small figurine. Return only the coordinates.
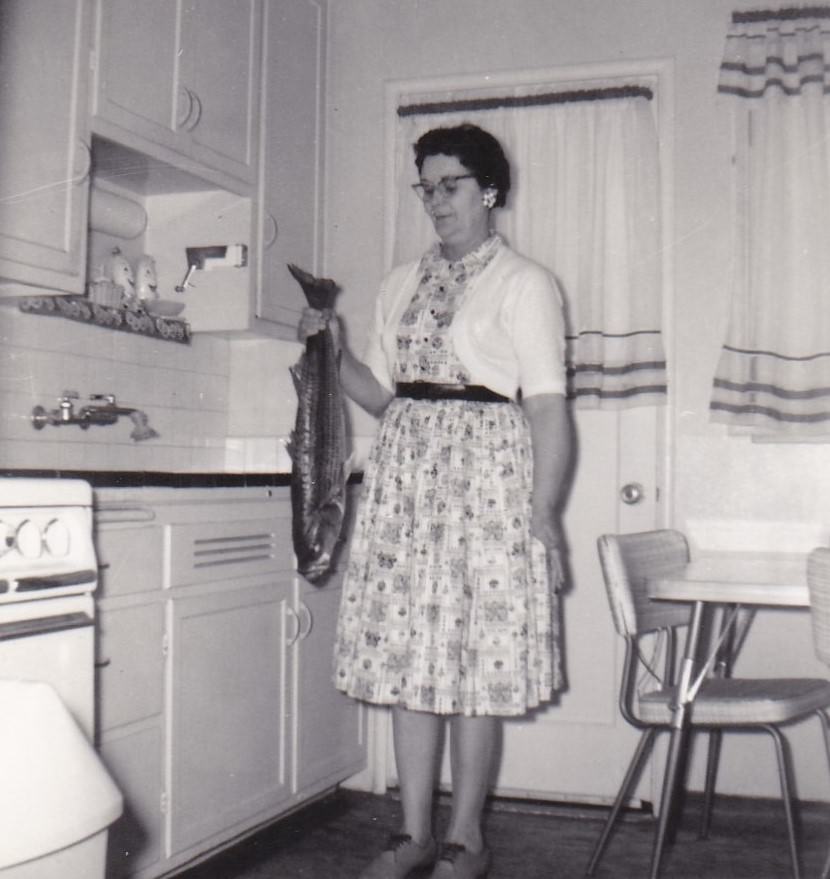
(118, 270)
(146, 278)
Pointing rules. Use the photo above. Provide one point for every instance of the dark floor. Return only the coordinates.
(333, 839)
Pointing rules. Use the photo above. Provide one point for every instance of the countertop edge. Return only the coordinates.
(163, 479)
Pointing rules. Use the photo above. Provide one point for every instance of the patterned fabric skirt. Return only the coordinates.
(446, 605)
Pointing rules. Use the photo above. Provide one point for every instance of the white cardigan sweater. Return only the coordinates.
(508, 332)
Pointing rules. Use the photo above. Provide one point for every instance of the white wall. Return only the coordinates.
(715, 476)
(182, 388)
(373, 41)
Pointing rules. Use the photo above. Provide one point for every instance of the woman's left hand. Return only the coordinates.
(545, 528)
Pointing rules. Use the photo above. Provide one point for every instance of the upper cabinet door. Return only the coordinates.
(44, 171)
(290, 189)
(219, 75)
(137, 50)
(178, 80)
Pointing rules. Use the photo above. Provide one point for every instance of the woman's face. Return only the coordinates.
(460, 219)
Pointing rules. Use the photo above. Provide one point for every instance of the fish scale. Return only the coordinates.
(318, 446)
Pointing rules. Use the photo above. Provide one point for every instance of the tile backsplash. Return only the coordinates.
(183, 389)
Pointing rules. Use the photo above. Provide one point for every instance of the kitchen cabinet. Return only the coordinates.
(291, 160)
(129, 681)
(179, 81)
(44, 173)
(215, 704)
(228, 733)
(330, 739)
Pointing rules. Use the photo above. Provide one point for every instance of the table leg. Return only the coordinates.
(678, 739)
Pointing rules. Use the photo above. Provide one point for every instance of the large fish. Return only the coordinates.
(318, 444)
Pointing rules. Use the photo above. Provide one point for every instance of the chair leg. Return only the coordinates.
(825, 729)
(640, 754)
(712, 760)
(784, 775)
(675, 758)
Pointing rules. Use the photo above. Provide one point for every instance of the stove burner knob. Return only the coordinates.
(56, 538)
(28, 540)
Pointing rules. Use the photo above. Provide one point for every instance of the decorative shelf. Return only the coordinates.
(127, 318)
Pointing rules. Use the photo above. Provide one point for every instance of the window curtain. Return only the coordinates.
(585, 202)
(773, 376)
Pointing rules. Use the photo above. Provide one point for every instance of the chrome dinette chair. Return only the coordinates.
(721, 704)
(818, 581)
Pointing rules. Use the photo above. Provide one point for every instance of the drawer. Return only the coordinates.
(202, 552)
(130, 664)
(130, 559)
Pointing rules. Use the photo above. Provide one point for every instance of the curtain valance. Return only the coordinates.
(586, 203)
(774, 371)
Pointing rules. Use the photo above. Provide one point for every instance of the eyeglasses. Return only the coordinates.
(445, 187)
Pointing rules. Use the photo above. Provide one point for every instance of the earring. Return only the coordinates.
(488, 198)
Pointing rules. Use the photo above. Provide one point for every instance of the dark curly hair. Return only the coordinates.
(475, 148)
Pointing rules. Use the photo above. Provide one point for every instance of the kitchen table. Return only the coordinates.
(735, 580)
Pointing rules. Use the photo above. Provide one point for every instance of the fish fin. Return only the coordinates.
(320, 292)
(297, 374)
(348, 466)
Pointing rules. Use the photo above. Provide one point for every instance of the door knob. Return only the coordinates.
(632, 493)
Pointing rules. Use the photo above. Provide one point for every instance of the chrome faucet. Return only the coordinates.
(101, 410)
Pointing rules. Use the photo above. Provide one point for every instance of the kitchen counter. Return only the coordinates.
(131, 479)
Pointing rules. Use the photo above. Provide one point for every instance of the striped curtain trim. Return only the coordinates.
(754, 414)
(747, 71)
(789, 13)
(772, 392)
(783, 358)
(616, 369)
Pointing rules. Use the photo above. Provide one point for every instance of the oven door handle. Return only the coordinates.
(52, 581)
(44, 625)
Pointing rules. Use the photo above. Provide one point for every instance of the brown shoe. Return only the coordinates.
(455, 862)
(401, 856)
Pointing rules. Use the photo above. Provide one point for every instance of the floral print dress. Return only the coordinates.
(446, 604)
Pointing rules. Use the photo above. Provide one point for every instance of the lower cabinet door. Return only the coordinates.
(331, 740)
(133, 757)
(228, 710)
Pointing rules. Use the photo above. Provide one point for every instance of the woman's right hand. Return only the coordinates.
(313, 320)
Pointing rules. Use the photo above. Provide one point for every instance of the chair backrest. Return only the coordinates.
(627, 561)
(818, 580)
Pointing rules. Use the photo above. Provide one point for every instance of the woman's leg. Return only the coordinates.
(417, 735)
(473, 745)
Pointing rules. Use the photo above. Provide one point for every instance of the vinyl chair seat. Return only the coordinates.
(742, 701)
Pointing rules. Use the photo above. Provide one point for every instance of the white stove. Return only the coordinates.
(48, 574)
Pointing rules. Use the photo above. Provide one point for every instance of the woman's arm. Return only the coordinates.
(356, 379)
(359, 382)
(551, 440)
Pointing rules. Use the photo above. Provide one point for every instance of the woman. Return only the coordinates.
(449, 603)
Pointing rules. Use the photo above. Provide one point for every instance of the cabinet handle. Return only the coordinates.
(85, 151)
(269, 240)
(186, 102)
(292, 614)
(103, 663)
(195, 114)
(115, 512)
(306, 623)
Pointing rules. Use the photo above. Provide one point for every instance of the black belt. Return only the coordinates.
(434, 391)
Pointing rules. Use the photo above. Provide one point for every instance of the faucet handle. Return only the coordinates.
(69, 395)
(109, 399)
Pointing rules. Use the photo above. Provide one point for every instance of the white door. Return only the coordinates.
(578, 748)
